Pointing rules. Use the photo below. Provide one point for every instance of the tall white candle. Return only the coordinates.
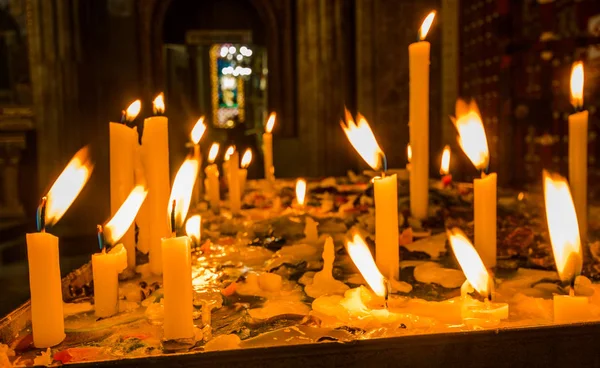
(243, 172)
(197, 134)
(234, 183)
(387, 253)
(212, 178)
(418, 59)
(268, 148)
(105, 271)
(578, 150)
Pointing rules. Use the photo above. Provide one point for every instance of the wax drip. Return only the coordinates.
(41, 216)
(100, 231)
(173, 216)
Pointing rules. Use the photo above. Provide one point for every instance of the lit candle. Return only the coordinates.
(408, 157)
(418, 59)
(212, 178)
(107, 266)
(234, 183)
(473, 141)
(386, 196)
(226, 158)
(578, 147)
(445, 168)
(47, 321)
(196, 135)
(300, 192)
(246, 160)
(123, 144)
(177, 263)
(566, 245)
(193, 229)
(268, 148)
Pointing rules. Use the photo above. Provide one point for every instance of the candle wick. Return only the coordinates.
(41, 215)
(173, 216)
(123, 117)
(100, 237)
(572, 290)
(384, 160)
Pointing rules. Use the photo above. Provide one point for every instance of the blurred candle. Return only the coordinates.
(155, 159)
(418, 58)
(445, 167)
(212, 178)
(246, 160)
(47, 321)
(408, 156)
(300, 192)
(226, 158)
(578, 149)
(234, 183)
(196, 135)
(268, 148)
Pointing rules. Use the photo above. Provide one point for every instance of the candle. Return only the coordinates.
(177, 263)
(212, 178)
(196, 135)
(300, 192)
(226, 158)
(563, 229)
(246, 160)
(408, 157)
(193, 229)
(123, 143)
(578, 147)
(268, 148)
(155, 159)
(473, 141)
(445, 167)
(234, 183)
(418, 59)
(386, 196)
(47, 321)
(107, 266)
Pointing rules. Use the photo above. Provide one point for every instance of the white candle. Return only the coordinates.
(387, 253)
(268, 148)
(197, 134)
(578, 150)
(485, 217)
(155, 158)
(418, 59)
(234, 183)
(105, 269)
(246, 160)
(212, 178)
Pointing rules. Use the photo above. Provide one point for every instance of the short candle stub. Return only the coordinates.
(41, 216)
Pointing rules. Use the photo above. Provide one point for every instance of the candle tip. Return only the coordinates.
(100, 232)
(41, 215)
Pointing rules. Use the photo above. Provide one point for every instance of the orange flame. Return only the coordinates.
(300, 191)
(470, 262)
(229, 152)
(246, 159)
(362, 258)
(198, 130)
(118, 225)
(362, 139)
(426, 25)
(193, 229)
(445, 165)
(409, 153)
(181, 192)
(471, 134)
(212, 154)
(133, 110)
(270, 123)
(158, 105)
(577, 84)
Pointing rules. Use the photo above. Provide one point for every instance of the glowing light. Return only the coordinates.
(118, 225)
(246, 159)
(158, 105)
(362, 139)
(300, 191)
(68, 186)
(198, 130)
(270, 123)
(212, 154)
(445, 165)
(133, 110)
(362, 258)
(470, 262)
(193, 228)
(577, 84)
(232, 49)
(426, 25)
(181, 192)
(409, 152)
(229, 152)
(224, 51)
(562, 226)
(472, 138)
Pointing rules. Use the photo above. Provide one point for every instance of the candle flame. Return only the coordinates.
(445, 165)
(270, 123)
(300, 191)
(133, 110)
(562, 226)
(229, 152)
(198, 130)
(68, 185)
(577, 84)
(118, 225)
(192, 228)
(212, 154)
(362, 258)
(470, 262)
(471, 134)
(362, 139)
(181, 192)
(246, 159)
(409, 153)
(426, 25)
(158, 105)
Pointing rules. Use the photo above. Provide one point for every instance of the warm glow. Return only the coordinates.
(562, 226)
(212, 154)
(181, 191)
(158, 105)
(409, 152)
(300, 191)
(426, 25)
(198, 130)
(270, 123)
(118, 225)
(246, 159)
(229, 152)
(470, 262)
(577, 84)
(192, 228)
(362, 258)
(471, 134)
(133, 110)
(445, 165)
(362, 139)
(68, 186)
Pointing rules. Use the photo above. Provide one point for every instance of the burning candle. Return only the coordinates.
(234, 183)
(418, 59)
(212, 178)
(473, 141)
(47, 320)
(196, 135)
(408, 157)
(226, 157)
(563, 229)
(122, 147)
(445, 167)
(246, 160)
(193, 229)
(386, 195)
(300, 192)
(578, 147)
(155, 159)
(268, 148)
(177, 263)
(107, 266)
